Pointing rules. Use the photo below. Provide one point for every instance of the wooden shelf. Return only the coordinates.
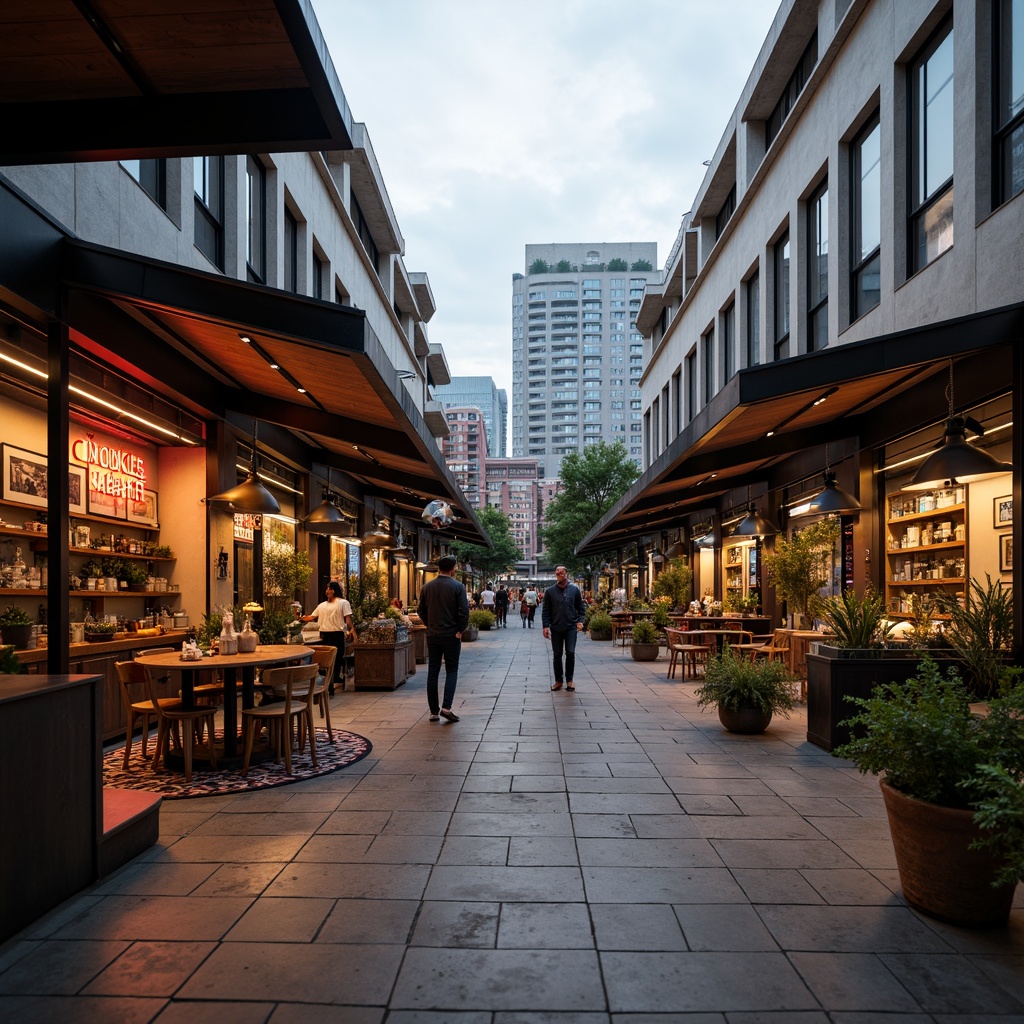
(115, 593)
(945, 545)
(895, 584)
(84, 517)
(936, 513)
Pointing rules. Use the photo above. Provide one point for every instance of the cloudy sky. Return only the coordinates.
(498, 125)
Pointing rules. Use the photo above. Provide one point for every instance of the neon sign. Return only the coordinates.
(117, 472)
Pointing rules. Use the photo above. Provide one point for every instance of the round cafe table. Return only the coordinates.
(230, 665)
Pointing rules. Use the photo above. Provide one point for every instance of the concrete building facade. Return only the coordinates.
(465, 451)
(577, 356)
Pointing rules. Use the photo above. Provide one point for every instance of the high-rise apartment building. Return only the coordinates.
(513, 487)
(577, 356)
(465, 451)
(485, 395)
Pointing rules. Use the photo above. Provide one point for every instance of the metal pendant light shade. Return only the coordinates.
(831, 501)
(250, 495)
(327, 518)
(676, 550)
(956, 461)
(378, 537)
(753, 525)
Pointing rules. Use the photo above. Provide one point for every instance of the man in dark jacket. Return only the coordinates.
(501, 606)
(444, 609)
(562, 615)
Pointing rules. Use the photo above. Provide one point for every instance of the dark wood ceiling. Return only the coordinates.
(108, 79)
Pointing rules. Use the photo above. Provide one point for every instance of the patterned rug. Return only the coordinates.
(347, 748)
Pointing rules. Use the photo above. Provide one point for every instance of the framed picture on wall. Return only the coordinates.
(145, 511)
(24, 476)
(76, 489)
(1002, 511)
(111, 505)
(1006, 552)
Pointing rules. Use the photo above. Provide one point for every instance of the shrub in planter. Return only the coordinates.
(481, 619)
(953, 789)
(646, 641)
(981, 632)
(858, 622)
(746, 693)
(600, 626)
(16, 627)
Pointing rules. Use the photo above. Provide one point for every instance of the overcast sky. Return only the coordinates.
(498, 125)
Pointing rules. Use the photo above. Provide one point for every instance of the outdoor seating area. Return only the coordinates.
(618, 835)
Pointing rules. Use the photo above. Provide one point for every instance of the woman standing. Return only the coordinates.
(334, 617)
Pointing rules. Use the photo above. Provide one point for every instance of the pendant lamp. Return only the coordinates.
(956, 461)
(328, 518)
(250, 495)
(830, 501)
(378, 537)
(678, 549)
(753, 525)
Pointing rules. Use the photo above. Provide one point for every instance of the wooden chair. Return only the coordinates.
(324, 658)
(297, 683)
(170, 717)
(775, 650)
(681, 648)
(134, 682)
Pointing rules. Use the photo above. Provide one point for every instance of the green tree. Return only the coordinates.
(563, 267)
(618, 264)
(642, 265)
(591, 483)
(539, 266)
(501, 556)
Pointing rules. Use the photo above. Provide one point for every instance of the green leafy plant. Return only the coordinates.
(858, 621)
(600, 625)
(368, 593)
(981, 631)
(749, 603)
(101, 627)
(162, 551)
(285, 573)
(272, 629)
(134, 573)
(660, 617)
(13, 616)
(9, 664)
(800, 567)
(924, 736)
(481, 618)
(91, 569)
(734, 682)
(675, 581)
(646, 632)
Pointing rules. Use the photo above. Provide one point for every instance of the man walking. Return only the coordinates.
(530, 597)
(487, 599)
(444, 610)
(562, 615)
(501, 606)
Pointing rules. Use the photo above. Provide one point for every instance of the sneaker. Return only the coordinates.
(434, 717)
(449, 714)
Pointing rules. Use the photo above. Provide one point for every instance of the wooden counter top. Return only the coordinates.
(128, 642)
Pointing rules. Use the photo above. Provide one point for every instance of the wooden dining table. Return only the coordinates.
(230, 664)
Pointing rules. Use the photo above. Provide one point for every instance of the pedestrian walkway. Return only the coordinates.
(609, 856)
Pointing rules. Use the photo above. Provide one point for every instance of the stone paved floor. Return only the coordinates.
(605, 857)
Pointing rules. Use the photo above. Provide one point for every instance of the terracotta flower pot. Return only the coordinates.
(939, 874)
(748, 721)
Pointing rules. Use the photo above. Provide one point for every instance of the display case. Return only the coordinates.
(926, 547)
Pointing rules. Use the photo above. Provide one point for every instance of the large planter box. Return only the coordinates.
(834, 673)
(381, 666)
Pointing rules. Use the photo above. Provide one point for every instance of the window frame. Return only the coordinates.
(920, 202)
(782, 267)
(1004, 128)
(290, 257)
(817, 302)
(151, 176)
(861, 263)
(256, 220)
(752, 298)
(728, 320)
(208, 224)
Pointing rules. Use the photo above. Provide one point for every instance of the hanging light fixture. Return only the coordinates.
(830, 501)
(328, 517)
(678, 549)
(250, 495)
(379, 537)
(752, 524)
(956, 461)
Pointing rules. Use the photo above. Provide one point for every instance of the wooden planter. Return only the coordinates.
(833, 674)
(381, 666)
(940, 875)
(644, 652)
(600, 634)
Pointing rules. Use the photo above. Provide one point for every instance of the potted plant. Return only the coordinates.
(674, 581)
(16, 627)
(646, 641)
(481, 619)
(600, 624)
(746, 693)
(981, 631)
(953, 790)
(134, 574)
(9, 664)
(98, 632)
(801, 566)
